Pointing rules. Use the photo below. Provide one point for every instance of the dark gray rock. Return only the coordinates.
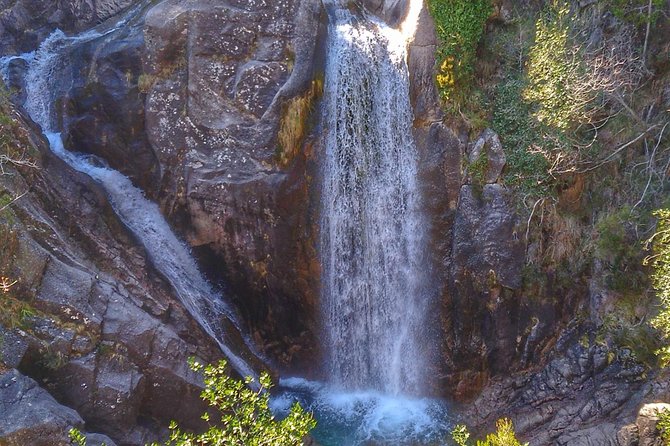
(30, 416)
(16, 71)
(13, 347)
(570, 400)
(108, 388)
(65, 290)
(601, 435)
(487, 241)
(98, 440)
(488, 145)
(105, 106)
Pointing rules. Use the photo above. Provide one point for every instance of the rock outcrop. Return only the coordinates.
(189, 102)
(645, 431)
(88, 317)
(30, 416)
(196, 102)
(582, 397)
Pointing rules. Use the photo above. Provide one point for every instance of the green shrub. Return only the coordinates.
(245, 419)
(660, 260)
(504, 435)
(553, 71)
(477, 169)
(520, 134)
(244, 416)
(664, 425)
(77, 438)
(460, 26)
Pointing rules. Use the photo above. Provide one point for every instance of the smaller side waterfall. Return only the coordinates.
(45, 81)
(372, 226)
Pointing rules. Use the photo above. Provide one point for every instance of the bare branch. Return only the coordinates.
(14, 200)
(650, 166)
(621, 148)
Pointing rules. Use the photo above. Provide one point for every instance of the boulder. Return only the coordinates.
(647, 424)
(487, 145)
(107, 388)
(488, 243)
(30, 416)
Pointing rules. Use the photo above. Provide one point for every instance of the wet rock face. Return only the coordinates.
(481, 310)
(495, 322)
(187, 101)
(487, 245)
(25, 23)
(391, 11)
(104, 109)
(219, 76)
(102, 332)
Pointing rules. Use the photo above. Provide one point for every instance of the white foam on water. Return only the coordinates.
(365, 417)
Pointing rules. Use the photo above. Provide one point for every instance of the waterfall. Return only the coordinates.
(372, 227)
(45, 81)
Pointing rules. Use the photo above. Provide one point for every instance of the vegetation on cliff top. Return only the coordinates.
(460, 26)
(578, 94)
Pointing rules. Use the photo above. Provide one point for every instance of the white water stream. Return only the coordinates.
(372, 239)
(46, 79)
(372, 228)
(371, 244)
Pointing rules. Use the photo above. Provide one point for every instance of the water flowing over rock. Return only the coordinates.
(184, 104)
(169, 255)
(26, 23)
(372, 229)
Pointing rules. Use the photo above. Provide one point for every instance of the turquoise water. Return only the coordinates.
(365, 418)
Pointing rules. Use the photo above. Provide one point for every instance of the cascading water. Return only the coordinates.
(371, 237)
(372, 233)
(371, 227)
(44, 81)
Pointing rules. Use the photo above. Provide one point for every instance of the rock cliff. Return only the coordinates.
(212, 108)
